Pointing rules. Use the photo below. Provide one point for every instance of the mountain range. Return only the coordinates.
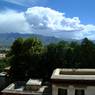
(6, 39)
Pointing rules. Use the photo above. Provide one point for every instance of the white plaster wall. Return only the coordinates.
(90, 90)
(70, 90)
(54, 90)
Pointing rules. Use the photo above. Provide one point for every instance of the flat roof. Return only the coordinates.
(3, 74)
(21, 91)
(34, 82)
(73, 74)
(7, 68)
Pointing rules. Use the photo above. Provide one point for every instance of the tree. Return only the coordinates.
(16, 48)
(51, 58)
(26, 56)
(87, 54)
(29, 58)
(56, 56)
(75, 61)
(69, 58)
(32, 51)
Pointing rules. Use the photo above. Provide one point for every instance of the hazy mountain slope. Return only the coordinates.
(6, 39)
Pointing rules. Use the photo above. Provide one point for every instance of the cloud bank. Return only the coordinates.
(45, 21)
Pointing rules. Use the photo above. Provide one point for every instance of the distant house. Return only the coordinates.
(31, 87)
(73, 82)
(2, 55)
(7, 70)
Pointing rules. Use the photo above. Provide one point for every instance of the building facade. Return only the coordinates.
(73, 82)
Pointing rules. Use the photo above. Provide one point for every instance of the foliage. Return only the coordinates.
(3, 64)
(25, 57)
(29, 58)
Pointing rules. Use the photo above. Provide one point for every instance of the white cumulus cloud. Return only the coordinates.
(47, 18)
(46, 21)
(12, 21)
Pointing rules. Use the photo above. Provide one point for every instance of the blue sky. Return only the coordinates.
(61, 18)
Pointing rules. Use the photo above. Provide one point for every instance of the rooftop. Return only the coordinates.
(19, 87)
(7, 68)
(2, 55)
(74, 74)
(34, 82)
(3, 74)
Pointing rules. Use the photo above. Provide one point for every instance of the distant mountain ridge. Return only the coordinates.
(6, 39)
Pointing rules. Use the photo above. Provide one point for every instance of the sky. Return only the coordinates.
(70, 19)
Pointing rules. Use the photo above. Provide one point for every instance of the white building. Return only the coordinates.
(2, 55)
(73, 82)
(31, 87)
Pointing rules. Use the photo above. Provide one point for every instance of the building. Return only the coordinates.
(7, 70)
(73, 82)
(31, 87)
(2, 56)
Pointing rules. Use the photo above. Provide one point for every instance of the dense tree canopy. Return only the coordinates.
(29, 58)
(25, 56)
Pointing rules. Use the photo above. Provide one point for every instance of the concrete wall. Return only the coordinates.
(89, 90)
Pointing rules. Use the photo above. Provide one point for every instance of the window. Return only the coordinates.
(79, 92)
(62, 91)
